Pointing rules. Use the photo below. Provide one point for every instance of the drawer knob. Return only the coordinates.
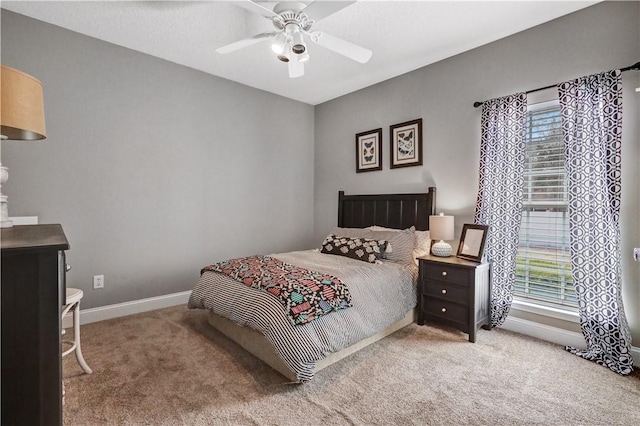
(444, 273)
(444, 309)
(444, 291)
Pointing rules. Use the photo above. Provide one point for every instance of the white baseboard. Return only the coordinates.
(554, 335)
(517, 325)
(102, 313)
(544, 332)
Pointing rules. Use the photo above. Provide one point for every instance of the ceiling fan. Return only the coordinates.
(293, 22)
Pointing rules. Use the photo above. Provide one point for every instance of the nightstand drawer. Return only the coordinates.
(447, 273)
(446, 310)
(450, 292)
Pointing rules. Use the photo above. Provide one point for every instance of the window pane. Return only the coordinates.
(543, 266)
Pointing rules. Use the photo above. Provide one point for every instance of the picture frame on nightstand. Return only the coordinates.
(472, 242)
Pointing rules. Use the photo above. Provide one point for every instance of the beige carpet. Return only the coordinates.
(167, 367)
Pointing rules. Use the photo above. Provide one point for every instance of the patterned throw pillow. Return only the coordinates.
(357, 248)
(401, 242)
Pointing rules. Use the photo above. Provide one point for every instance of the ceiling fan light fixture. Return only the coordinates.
(278, 43)
(303, 57)
(285, 55)
(299, 46)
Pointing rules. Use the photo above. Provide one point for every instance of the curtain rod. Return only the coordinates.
(634, 67)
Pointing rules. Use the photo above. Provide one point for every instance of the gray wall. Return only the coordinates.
(601, 37)
(154, 169)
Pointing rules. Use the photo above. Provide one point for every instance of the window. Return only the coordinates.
(543, 267)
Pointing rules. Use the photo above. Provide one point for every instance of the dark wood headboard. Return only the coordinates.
(397, 211)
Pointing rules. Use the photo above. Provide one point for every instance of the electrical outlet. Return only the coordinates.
(636, 254)
(98, 281)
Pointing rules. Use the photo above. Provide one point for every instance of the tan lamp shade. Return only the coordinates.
(22, 106)
(441, 227)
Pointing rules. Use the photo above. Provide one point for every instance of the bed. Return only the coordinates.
(383, 293)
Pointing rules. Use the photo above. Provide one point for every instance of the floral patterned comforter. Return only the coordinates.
(305, 295)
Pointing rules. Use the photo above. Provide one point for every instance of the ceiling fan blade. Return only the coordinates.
(296, 68)
(237, 45)
(343, 47)
(256, 8)
(321, 9)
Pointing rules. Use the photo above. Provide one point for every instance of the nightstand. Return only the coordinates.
(454, 292)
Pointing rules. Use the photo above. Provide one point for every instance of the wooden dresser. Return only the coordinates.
(33, 289)
(454, 292)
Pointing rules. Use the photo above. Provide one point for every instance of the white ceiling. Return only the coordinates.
(403, 35)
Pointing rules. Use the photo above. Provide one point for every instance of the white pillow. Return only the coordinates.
(423, 241)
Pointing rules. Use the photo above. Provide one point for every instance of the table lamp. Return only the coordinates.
(441, 228)
(21, 118)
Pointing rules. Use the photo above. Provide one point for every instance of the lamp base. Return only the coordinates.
(4, 201)
(6, 223)
(4, 212)
(441, 249)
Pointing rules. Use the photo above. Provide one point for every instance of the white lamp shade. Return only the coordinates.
(22, 108)
(441, 227)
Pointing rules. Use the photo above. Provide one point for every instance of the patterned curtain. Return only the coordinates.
(591, 124)
(499, 204)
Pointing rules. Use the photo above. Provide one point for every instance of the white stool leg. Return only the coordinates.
(76, 338)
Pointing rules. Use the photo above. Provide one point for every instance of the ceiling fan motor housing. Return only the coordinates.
(288, 8)
(293, 23)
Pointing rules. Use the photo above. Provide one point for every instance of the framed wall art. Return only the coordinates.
(472, 242)
(406, 144)
(369, 151)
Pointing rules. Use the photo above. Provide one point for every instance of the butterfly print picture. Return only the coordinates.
(406, 144)
(369, 151)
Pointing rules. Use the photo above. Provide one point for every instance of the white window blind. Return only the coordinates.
(543, 267)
